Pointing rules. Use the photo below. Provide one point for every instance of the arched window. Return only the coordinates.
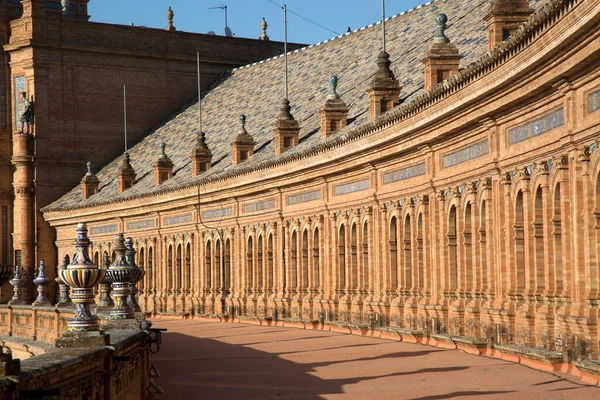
(141, 264)
(270, 266)
(249, 266)
(342, 258)
(316, 260)
(294, 261)
(188, 267)
(218, 273)
(420, 265)
(483, 250)
(305, 260)
(179, 267)
(260, 263)
(393, 249)
(468, 243)
(170, 268)
(208, 266)
(353, 258)
(365, 257)
(149, 270)
(557, 233)
(540, 243)
(452, 256)
(408, 272)
(227, 266)
(519, 235)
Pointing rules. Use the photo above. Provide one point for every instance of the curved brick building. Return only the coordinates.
(451, 198)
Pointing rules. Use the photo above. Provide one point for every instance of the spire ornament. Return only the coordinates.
(333, 94)
(41, 281)
(170, 15)
(120, 274)
(263, 28)
(441, 21)
(82, 275)
(136, 276)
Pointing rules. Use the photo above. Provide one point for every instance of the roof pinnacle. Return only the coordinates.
(441, 37)
(263, 28)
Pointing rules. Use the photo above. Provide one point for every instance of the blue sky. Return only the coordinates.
(244, 16)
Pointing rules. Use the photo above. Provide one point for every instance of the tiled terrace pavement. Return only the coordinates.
(204, 360)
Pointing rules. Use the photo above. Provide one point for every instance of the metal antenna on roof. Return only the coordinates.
(285, 49)
(199, 93)
(383, 23)
(125, 114)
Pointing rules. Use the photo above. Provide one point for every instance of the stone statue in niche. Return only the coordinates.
(27, 115)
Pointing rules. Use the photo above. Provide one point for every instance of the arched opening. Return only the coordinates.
(179, 267)
(420, 266)
(519, 244)
(452, 256)
(170, 268)
(97, 258)
(342, 258)
(249, 265)
(468, 244)
(207, 266)
(483, 249)
(259, 263)
(141, 264)
(227, 266)
(217, 273)
(540, 243)
(305, 260)
(354, 257)
(294, 261)
(557, 233)
(270, 265)
(408, 272)
(67, 259)
(365, 257)
(188, 267)
(393, 250)
(149, 269)
(316, 260)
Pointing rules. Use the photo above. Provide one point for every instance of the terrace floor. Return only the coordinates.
(210, 360)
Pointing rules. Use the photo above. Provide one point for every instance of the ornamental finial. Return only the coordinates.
(243, 123)
(441, 37)
(263, 28)
(333, 82)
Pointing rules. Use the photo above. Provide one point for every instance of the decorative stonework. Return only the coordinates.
(222, 212)
(132, 226)
(259, 206)
(352, 187)
(99, 230)
(304, 197)
(594, 101)
(465, 154)
(537, 127)
(404, 173)
(180, 219)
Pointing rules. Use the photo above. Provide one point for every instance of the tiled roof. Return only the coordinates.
(256, 91)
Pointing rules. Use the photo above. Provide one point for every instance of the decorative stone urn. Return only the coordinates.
(42, 283)
(137, 275)
(105, 286)
(17, 282)
(64, 300)
(82, 275)
(120, 274)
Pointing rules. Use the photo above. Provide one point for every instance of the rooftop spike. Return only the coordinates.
(126, 175)
(163, 168)
(242, 145)
(90, 182)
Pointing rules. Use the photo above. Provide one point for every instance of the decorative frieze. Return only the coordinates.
(220, 213)
(304, 197)
(466, 154)
(352, 187)
(99, 230)
(404, 173)
(179, 219)
(132, 226)
(537, 127)
(594, 101)
(259, 206)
